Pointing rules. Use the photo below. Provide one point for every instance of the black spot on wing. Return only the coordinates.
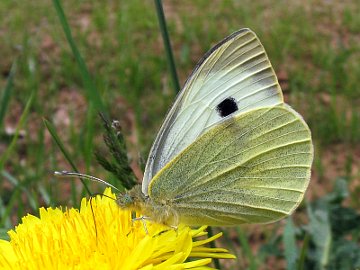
(227, 106)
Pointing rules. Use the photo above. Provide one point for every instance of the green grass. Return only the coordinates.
(315, 48)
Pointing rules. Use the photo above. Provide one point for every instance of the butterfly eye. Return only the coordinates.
(227, 106)
(125, 200)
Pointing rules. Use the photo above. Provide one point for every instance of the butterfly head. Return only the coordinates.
(132, 199)
(125, 200)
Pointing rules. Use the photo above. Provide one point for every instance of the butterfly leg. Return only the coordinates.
(143, 220)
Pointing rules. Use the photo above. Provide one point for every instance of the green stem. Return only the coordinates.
(212, 245)
(165, 36)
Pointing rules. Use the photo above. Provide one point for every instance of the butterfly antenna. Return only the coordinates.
(83, 176)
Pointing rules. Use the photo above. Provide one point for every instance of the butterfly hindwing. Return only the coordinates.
(254, 167)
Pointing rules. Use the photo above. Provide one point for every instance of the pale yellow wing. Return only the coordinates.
(233, 77)
(253, 168)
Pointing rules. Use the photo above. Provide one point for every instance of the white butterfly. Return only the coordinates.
(230, 151)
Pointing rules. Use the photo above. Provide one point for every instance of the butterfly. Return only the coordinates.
(230, 151)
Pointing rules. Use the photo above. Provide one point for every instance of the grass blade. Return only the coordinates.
(33, 203)
(4, 235)
(247, 249)
(320, 230)
(290, 249)
(91, 91)
(19, 126)
(167, 45)
(88, 146)
(301, 262)
(5, 220)
(66, 154)
(5, 99)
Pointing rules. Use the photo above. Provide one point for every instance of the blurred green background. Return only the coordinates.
(314, 47)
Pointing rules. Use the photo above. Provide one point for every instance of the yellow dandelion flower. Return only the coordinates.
(70, 240)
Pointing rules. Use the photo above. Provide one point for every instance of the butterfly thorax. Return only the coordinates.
(159, 212)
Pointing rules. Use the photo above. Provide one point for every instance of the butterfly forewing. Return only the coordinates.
(252, 168)
(233, 77)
